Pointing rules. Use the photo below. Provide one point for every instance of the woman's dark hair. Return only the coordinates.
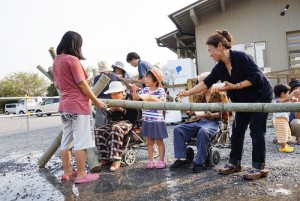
(123, 71)
(279, 88)
(70, 43)
(153, 77)
(131, 56)
(223, 37)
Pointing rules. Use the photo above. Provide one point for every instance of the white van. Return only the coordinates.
(32, 104)
(49, 105)
(10, 108)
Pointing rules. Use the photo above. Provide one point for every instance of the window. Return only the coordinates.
(22, 102)
(48, 101)
(56, 100)
(293, 43)
(11, 106)
(257, 50)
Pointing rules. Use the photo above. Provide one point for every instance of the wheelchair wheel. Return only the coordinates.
(129, 157)
(213, 158)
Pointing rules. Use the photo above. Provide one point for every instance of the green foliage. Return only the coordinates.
(23, 83)
(51, 90)
(90, 71)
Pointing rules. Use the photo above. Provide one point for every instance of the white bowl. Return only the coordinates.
(219, 85)
(144, 96)
(200, 113)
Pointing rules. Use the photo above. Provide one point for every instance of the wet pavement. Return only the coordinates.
(21, 179)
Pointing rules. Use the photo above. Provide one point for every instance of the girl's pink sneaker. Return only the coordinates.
(161, 165)
(151, 165)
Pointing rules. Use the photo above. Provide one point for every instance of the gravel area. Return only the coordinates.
(21, 179)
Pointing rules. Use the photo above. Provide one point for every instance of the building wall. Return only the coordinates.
(251, 21)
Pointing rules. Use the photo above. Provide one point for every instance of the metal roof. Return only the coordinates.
(186, 19)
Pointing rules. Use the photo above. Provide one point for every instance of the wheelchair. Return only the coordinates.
(220, 140)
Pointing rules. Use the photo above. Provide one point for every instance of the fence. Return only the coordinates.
(16, 122)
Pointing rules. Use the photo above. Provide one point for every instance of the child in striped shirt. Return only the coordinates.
(153, 122)
(281, 119)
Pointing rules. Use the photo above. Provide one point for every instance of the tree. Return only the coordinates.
(90, 71)
(23, 83)
(51, 90)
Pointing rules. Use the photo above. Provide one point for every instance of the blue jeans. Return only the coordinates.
(203, 130)
(257, 121)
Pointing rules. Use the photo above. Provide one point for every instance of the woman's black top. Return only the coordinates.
(243, 68)
(128, 114)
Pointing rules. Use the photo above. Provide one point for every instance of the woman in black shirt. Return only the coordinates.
(244, 83)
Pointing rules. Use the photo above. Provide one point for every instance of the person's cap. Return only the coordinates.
(119, 64)
(115, 86)
(104, 67)
(158, 74)
(294, 83)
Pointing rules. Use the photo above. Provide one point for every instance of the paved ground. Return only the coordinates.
(21, 179)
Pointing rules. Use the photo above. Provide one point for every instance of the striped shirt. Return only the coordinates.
(153, 115)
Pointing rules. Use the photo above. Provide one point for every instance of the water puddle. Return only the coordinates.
(21, 179)
(283, 190)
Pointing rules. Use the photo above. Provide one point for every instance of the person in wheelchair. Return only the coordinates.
(109, 137)
(203, 127)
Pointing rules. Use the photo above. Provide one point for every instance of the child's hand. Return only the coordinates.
(294, 99)
(132, 81)
(133, 87)
(295, 94)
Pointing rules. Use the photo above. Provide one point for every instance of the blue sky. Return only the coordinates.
(110, 29)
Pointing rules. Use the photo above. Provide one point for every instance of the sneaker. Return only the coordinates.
(229, 169)
(286, 149)
(179, 163)
(151, 165)
(161, 165)
(197, 168)
(289, 146)
(88, 178)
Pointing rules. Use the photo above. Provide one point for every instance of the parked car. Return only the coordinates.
(28, 105)
(49, 105)
(10, 108)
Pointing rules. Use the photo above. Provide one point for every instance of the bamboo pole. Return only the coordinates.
(91, 156)
(52, 52)
(238, 107)
(45, 72)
